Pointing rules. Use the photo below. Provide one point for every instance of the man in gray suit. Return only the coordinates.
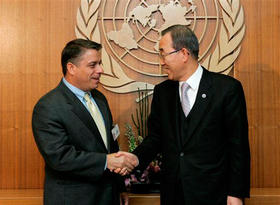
(72, 128)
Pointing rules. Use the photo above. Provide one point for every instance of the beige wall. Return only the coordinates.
(32, 35)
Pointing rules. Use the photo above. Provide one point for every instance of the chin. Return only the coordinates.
(93, 87)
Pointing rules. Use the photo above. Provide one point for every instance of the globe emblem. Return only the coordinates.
(132, 31)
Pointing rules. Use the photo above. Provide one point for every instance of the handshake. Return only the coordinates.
(122, 162)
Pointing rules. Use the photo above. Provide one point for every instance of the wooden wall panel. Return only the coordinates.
(257, 68)
(32, 35)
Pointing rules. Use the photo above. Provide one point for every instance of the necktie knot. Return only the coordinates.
(87, 97)
(185, 87)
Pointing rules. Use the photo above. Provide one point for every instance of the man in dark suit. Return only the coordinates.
(204, 142)
(72, 128)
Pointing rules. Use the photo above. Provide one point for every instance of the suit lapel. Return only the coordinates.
(80, 110)
(199, 108)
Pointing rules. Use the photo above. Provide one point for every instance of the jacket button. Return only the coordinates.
(181, 154)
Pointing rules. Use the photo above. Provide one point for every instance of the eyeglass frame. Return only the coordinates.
(162, 56)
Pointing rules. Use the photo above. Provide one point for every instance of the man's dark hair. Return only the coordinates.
(74, 50)
(183, 37)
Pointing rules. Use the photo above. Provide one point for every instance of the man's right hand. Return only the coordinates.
(122, 162)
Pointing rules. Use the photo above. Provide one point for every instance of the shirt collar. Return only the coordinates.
(78, 92)
(194, 80)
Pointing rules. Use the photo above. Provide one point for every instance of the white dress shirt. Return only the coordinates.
(193, 81)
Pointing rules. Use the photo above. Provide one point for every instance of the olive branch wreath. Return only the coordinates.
(229, 42)
(221, 60)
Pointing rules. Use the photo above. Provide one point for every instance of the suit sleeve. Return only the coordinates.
(53, 142)
(236, 127)
(150, 146)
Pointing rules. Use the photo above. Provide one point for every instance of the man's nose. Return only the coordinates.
(161, 61)
(100, 68)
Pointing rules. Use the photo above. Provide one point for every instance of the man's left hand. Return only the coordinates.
(234, 201)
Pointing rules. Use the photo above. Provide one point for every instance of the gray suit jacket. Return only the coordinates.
(73, 150)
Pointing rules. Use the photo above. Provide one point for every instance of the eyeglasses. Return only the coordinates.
(162, 56)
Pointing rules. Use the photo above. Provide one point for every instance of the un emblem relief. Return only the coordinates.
(129, 31)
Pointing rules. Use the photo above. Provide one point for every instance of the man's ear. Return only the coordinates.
(186, 54)
(71, 68)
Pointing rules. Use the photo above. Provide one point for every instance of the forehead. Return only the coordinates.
(165, 42)
(90, 55)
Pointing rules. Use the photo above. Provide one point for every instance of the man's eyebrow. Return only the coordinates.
(93, 62)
